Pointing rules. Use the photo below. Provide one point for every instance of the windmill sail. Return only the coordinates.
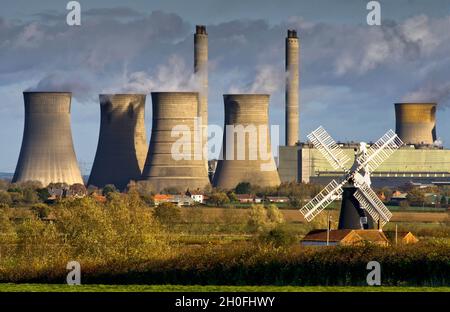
(380, 151)
(322, 200)
(372, 204)
(329, 149)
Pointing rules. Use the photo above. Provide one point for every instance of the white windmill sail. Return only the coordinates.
(329, 149)
(372, 204)
(380, 151)
(322, 200)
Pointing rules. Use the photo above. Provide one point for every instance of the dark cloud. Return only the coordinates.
(348, 71)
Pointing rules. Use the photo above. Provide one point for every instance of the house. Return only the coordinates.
(398, 197)
(345, 238)
(161, 198)
(403, 237)
(277, 199)
(197, 196)
(248, 198)
(182, 200)
(179, 200)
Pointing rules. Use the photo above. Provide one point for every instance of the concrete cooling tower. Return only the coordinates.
(122, 144)
(201, 72)
(415, 123)
(245, 114)
(47, 154)
(174, 159)
(292, 85)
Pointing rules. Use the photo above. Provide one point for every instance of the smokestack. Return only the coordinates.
(174, 158)
(122, 144)
(292, 85)
(415, 123)
(47, 154)
(201, 71)
(246, 112)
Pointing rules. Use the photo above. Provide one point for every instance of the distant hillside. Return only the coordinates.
(6, 175)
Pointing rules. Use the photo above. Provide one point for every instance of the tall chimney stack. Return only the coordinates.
(292, 84)
(201, 71)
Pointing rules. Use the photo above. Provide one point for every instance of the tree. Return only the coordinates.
(30, 196)
(243, 188)
(416, 197)
(5, 198)
(110, 188)
(41, 210)
(274, 215)
(167, 213)
(257, 220)
(232, 196)
(219, 198)
(443, 202)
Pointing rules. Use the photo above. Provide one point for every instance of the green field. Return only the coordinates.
(179, 288)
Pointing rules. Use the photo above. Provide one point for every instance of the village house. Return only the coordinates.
(248, 198)
(345, 238)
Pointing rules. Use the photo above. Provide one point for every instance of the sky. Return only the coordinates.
(351, 74)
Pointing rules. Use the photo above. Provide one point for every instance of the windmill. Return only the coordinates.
(361, 208)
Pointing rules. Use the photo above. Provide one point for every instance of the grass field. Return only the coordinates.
(293, 215)
(179, 288)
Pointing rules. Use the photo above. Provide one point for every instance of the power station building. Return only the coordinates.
(47, 154)
(122, 144)
(418, 161)
(246, 148)
(174, 160)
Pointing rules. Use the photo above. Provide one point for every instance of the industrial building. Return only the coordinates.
(418, 161)
(175, 111)
(122, 144)
(246, 110)
(47, 154)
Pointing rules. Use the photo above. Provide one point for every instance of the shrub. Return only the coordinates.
(108, 189)
(167, 213)
(243, 188)
(5, 198)
(279, 236)
(257, 219)
(218, 198)
(41, 210)
(274, 215)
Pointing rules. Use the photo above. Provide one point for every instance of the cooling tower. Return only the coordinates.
(122, 144)
(292, 85)
(47, 154)
(248, 158)
(201, 71)
(415, 123)
(174, 158)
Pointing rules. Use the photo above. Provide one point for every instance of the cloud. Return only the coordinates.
(437, 92)
(267, 79)
(172, 76)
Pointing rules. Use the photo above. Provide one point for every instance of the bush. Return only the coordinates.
(5, 198)
(274, 215)
(108, 189)
(167, 214)
(218, 198)
(243, 188)
(279, 236)
(42, 211)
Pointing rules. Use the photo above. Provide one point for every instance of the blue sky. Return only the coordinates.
(351, 73)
